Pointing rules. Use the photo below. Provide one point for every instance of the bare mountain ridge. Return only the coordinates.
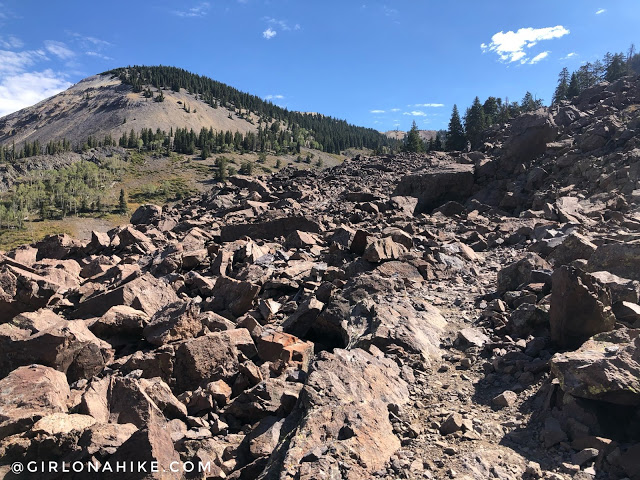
(426, 135)
(102, 104)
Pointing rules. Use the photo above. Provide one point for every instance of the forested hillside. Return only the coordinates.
(330, 134)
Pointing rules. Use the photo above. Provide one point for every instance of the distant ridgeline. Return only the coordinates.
(331, 135)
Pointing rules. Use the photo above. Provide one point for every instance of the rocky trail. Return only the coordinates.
(464, 315)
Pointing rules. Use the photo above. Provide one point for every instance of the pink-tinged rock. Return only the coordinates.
(28, 394)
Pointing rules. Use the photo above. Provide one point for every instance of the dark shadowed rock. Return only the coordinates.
(520, 272)
(273, 396)
(438, 185)
(67, 346)
(120, 321)
(146, 214)
(580, 307)
(57, 247)
(270, 229)
(573, 247)
(529, 135)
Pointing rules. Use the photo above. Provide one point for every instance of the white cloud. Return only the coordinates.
(98, 55)
(538, 57)
(58, 49)
(510, 46)
(274, 97)
(569, 55)
(269, 33)
(200, 10)
(11, 42)
(395, 109)
(602, 10)
(415, 113)
(376, 111)
(15, 62)
(283, 24)
(85, 41)
(429, 105)
(21, 90)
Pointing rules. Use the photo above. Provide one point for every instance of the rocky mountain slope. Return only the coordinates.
(102, 104)
(466, 315)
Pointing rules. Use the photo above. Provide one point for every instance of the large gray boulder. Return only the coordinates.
(438, 185)
(529, 135)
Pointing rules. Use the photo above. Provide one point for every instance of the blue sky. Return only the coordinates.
(380, 64)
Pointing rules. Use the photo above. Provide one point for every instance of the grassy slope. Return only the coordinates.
(156, 180)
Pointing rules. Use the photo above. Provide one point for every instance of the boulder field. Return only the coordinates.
(446, 315)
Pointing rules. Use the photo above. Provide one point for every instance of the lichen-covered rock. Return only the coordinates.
(605, 368)
(28, 394)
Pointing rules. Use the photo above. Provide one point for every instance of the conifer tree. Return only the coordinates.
(474, 122)
(122, 202)
(437, 143)
(414, 142)
(574, 86)
(456, 139)
(563, 86)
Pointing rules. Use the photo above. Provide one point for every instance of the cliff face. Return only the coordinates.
(467, 314)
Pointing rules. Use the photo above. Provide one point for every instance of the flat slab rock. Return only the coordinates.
(606, 368)
(344, 418)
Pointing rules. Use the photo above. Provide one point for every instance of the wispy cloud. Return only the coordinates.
(569, 55)
(27, 88)
(600, 11)
(98, 55)
(428, 105)
(269, 33)
(200, 10)
(11, 42)
(388, 11)
(59, 49)
(274, 97)
(283, 24)
(538, 57)
(15, 62)
(510, 46)
(395, 109)
(415, 113)
(86, 40)
(376, 111)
